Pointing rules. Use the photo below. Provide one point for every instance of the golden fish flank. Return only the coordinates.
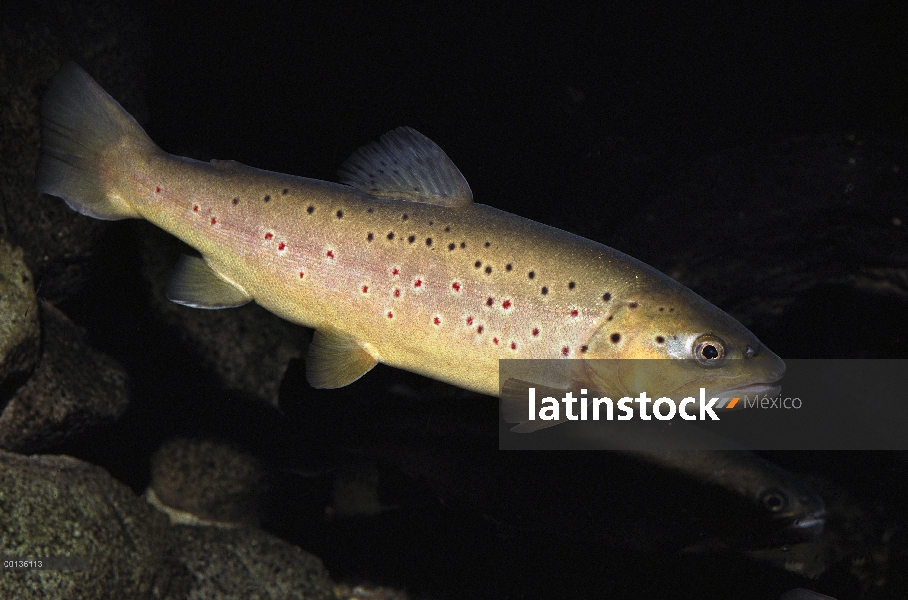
(397, 264)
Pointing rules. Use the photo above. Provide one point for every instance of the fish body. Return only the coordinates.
(395, 265)
(398, 265)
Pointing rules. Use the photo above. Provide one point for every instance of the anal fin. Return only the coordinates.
(196, 284)
(336, 360)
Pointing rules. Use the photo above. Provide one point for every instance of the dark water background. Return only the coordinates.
(577, 116)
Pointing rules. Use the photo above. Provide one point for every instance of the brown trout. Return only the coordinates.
(396, 264)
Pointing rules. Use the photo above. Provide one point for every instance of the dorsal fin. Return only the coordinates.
(406, 165)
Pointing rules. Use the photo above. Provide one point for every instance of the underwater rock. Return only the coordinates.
(249, 563)
(20, 331)
(59, 506)
(206, 482)
(248, 347)
(73, 388)
(58, 243)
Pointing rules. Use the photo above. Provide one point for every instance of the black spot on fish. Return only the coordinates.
(370, 237)
(661, 309)
(447, 230)
(583, 349)
(531, 274)
(571, 285)
(660, 339)
(508, 267)
(310, 210)
(340, 214)
(487, 244)
(428, 241)
(610, 317)
(490, 301)
(285, 191)
(451, 246)
(431, 223)
(632, 305)
(390, 235)
(463, 245)
(411, 239)
(267, 198)
(606, 296)
(616, 337)
(370, 210)
(236, 201)
(488, 270)
(405, 217)
(477, 264)
(544, 290)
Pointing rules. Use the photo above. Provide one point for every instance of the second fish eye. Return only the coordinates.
(774, 501)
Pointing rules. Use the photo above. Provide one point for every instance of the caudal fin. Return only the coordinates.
(82, 128)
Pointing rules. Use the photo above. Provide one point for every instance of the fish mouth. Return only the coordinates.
(770, 388)
(804, 529)
(757, 389)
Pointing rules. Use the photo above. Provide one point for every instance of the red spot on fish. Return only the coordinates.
(513, 345)
(214, 221)
(269, 235)
(506, 304)
(281, 246)
(365, 289)
(417, 283)
(196, 208)
(495, 340)
(397, 292)
(302, 274)
(157, 190)
(395, 271)
(565, 351)
(455, 286)
(469, 320)
(330, 254)
(480, 329)
(535, 331)
(390, 315)
(575, 312)
(437, 321)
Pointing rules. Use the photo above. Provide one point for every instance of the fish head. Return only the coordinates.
(679, 343)
(791, 513)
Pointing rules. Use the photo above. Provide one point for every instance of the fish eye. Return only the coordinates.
(774, 500)
(709, 350)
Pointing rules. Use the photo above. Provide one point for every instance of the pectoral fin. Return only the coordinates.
(196, 284)
(336, 360)
(514, 407)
